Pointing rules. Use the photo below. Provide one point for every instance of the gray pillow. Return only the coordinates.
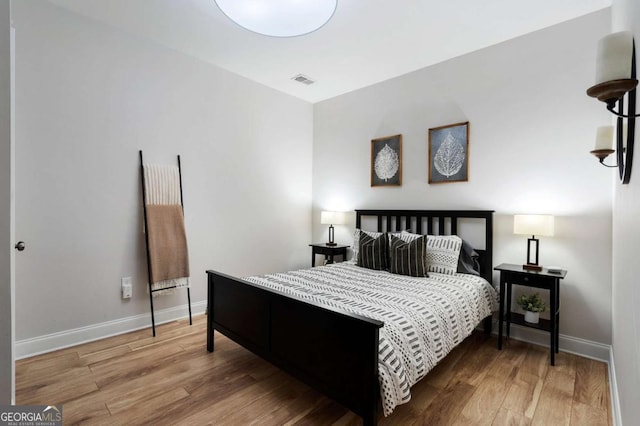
(468, 260)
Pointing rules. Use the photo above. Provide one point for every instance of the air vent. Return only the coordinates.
(301, 78)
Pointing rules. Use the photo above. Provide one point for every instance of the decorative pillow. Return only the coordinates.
(468, 260)
(442, 253)
(408, 236)
(399, 234)
(372, 253)
(408, 258)
(356, 241)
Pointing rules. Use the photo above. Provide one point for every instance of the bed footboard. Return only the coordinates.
(331, 350)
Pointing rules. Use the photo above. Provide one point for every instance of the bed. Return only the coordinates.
(333, 341)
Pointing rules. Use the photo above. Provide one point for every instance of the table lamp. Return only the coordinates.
(331, 218)
(533, 224)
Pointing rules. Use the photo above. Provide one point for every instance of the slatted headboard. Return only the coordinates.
(438, 222)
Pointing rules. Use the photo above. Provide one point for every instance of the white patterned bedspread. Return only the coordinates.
(424, 318)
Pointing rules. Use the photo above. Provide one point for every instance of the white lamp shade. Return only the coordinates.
(332, 218)
(604, 137)
(279, 18)
(533, 224)
(613, 61)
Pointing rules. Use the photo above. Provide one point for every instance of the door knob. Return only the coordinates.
(20, 246)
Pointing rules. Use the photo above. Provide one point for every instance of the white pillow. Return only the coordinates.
(442, 253)
(356, 241)
(408, 236)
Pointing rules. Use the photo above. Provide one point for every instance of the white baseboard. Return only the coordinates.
(573, 345)
(615, 398)
(63, 339)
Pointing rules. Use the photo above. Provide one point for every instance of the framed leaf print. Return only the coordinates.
(386, 161)
(449, 153)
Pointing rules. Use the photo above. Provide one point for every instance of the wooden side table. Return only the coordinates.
(515, 274)
(328, 251)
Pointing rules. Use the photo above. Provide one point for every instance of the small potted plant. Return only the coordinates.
(532, 305)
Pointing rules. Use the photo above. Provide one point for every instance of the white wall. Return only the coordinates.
(532, 127)
(6, 238)
(88, 98)
(626, 242)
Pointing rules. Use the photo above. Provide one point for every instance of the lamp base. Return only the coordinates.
(531, 267)
(332, 244)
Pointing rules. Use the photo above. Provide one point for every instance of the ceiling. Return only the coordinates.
(366, 41)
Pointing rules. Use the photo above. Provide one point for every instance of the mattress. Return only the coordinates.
(424, 318)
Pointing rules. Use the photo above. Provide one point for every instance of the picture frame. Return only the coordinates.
(448, 158)
(386, 161)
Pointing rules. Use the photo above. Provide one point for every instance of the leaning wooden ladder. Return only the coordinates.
(149, 265)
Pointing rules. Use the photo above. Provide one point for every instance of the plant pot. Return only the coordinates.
(532, 317)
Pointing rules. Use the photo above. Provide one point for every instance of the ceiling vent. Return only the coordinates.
(301, 78)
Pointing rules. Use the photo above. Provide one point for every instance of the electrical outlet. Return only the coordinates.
(126, 287)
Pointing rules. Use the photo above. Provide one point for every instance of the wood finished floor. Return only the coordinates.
(172, 380)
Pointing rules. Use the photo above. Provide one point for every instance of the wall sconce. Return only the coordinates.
(331, 218)
(615, 77)
(533, 224)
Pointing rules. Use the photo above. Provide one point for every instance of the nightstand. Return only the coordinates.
(515, 274)
(328, 251)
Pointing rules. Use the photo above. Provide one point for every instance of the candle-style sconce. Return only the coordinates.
(615, 79)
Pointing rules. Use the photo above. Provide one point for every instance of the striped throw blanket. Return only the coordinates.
(424, 318)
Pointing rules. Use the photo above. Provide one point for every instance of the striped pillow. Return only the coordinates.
(442, 253)
(372, 253)
(356, 241)
(408, 258)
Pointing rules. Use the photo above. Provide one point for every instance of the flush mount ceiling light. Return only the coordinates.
(279, 18)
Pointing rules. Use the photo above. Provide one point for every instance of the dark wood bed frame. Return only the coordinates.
(333, 351)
